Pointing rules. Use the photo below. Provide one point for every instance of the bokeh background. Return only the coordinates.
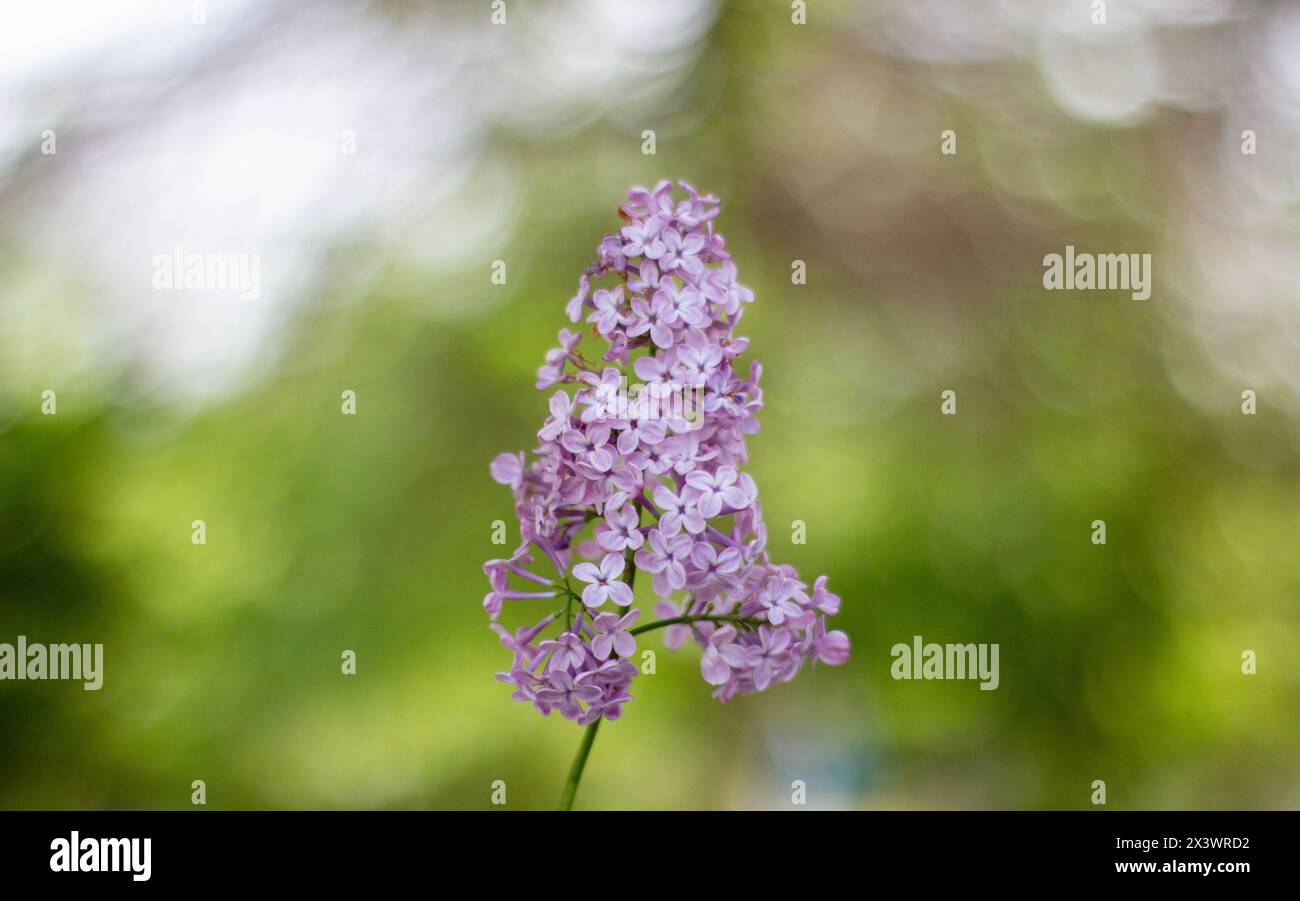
(477, 142)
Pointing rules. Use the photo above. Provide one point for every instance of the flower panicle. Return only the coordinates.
(659, 469)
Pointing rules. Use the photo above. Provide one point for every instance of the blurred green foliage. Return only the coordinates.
(328, 532)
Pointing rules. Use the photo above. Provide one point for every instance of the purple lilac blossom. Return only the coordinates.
(667, 496)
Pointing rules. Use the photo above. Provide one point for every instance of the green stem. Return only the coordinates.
(589, 736)
(579, 761)
(702, 618)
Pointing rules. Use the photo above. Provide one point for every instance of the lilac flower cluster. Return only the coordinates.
(668, 496)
